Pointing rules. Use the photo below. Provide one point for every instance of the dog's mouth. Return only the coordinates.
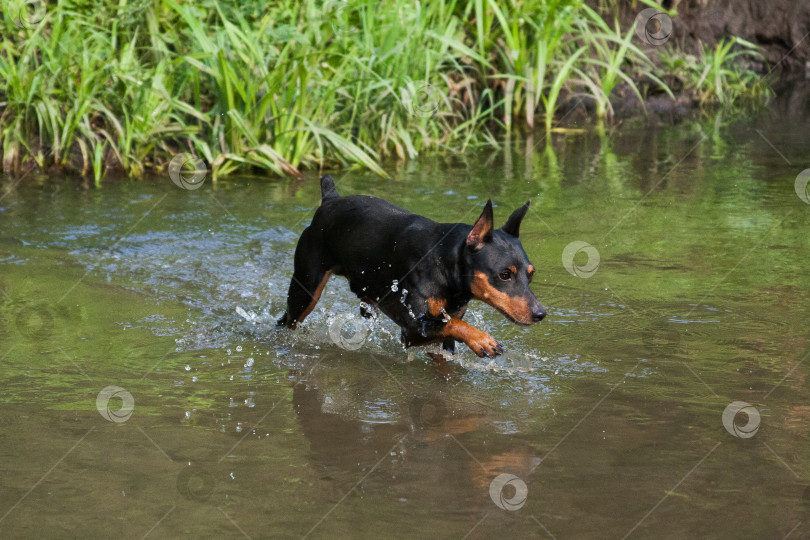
(514, 320)
(519, 304)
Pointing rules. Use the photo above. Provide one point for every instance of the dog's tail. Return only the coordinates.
(328, 190)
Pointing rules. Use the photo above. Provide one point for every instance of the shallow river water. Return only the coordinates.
(145, 391)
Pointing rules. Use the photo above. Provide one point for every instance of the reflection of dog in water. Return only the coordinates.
(420, 273)
(427, 465)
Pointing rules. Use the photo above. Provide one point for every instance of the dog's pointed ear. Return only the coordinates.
(512, 225)
(481, 232)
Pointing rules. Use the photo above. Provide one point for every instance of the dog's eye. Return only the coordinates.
(506, 275)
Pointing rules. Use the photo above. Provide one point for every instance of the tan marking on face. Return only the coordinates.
(517, 308)
(315, 297)
(436, 305)
(530, 269)
(512, 269)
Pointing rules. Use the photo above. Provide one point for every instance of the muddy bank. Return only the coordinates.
(780, 27)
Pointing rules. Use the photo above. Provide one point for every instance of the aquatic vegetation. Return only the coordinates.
(293, 85)
(719, 75)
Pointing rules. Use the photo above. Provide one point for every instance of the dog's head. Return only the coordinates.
(499, 270)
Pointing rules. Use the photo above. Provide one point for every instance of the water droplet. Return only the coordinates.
(249, 362)
(238, 348)
(395, 286)
(188, 368)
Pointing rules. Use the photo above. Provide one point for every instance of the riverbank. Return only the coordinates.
(308, 85)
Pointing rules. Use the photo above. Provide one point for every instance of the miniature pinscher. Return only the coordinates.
(419, 272)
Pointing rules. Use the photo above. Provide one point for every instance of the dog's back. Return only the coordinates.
(355, 229)
(419, 272)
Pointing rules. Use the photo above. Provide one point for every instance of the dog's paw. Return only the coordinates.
(485, 346)
(286, 322)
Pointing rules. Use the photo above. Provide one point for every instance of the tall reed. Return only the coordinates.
(293, 84)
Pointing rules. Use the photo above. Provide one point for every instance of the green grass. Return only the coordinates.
(717, 76)
(295, 84)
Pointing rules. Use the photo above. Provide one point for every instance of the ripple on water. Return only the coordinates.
(235, 282)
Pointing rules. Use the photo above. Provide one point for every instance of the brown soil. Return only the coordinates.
(780, 27)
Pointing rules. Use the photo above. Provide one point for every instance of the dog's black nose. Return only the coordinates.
(538, 312)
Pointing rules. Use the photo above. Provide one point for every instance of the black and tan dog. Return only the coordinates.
(419, 272)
